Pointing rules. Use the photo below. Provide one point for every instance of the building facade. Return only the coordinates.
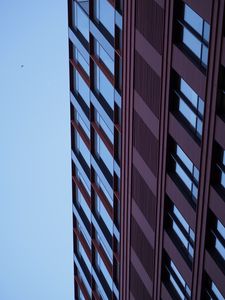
(95, 51)
(148, 148)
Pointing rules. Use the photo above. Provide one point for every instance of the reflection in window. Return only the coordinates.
(83, 204)
(105, 191)
(103, 214)
(78, 57)
(181, 228)
(176, 280)
(83, 254)
(106, 250)
(102, 268)
(104, 13)
(220, 239)
(187, 171)
(81, 88)
(82, 229)
(221, 169)
(101, 123)
(217, 237)
(103, 153)
(103, 56)
(80, 20)
(211, 290)
(190, 106)
(195, 34)
(83, 123)
(86, 183)
(104, 87)
(80, 295)
(82, 148)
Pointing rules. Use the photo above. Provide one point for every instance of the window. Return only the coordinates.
(222, 100)
(186, 171)
(83, 122)
(83, 254)
(102, 124)
(81, 88)
(101, 186)
(195, 34)
(82, 149)
(103, 153)
(82, 203)
(103, 214)
(103, 56)
(84, 280)
(221, 168)
(83, 231)
(78, 57)
(211, 291)
(102, 268)
(104, 14)
(190, 106)
(80, 20)
(181, 228)
(86, 183)
(220, 239)
(176, 281)
(84, 4)
(104, 87)
(106, 250)
(217, 238)
(80, 295)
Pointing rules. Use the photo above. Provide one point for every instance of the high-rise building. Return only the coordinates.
(148, 148)
(95, 50)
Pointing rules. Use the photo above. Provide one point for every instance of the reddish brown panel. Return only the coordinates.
(142, 247)
(147, 84)
(146, 143)
(143, 197)
(137, 287)
(149, 16)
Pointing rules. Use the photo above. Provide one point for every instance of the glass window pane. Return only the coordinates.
(104, 270)
(83, 149)
(221, 228)
(82, 88)
(193, 19)
(86, 127)
(104, 127)
(84, 255)
(104, 214)
(183, 176)
(189, 93)
(80, 59)
(105, 191)
(105, 14)
(184, 158)
(87, 185)
(217, 292)
(177, 273)
(204, 55)
(206, 31)
(181, 218)
(220, 248)
(104, 154)
(104, 56)
(187, 113)
(192, 42)
(82, 202)
(81, 21)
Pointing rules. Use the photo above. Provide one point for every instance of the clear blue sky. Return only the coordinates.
(36, 259)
